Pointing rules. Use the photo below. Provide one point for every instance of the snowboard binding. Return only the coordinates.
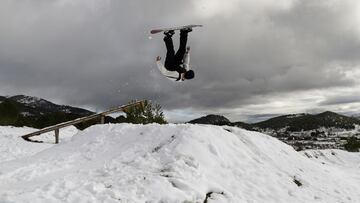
(169, 33)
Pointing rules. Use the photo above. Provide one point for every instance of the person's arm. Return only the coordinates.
(169, 74)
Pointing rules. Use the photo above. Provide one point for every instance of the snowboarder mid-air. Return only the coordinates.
(176, 65)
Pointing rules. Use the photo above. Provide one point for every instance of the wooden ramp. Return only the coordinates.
(56, 128)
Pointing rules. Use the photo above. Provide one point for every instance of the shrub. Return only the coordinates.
(148, 113)
(8, 113)
(352, 145)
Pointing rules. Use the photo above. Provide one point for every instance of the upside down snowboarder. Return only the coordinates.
(176, 64)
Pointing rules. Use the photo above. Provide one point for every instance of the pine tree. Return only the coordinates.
(352, 145)
(8, 113)
(148, 113)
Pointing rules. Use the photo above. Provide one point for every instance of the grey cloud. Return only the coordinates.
(99, 53)
(341, 99)
(260, 117)
(327, 30)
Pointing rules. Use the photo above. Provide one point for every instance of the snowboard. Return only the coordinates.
(154, 31)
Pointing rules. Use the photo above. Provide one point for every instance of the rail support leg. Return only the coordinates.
(56, 136)
(102, 121)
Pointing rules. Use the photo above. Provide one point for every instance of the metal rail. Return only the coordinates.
(57, 127)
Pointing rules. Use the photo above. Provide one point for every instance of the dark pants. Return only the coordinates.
(172, 60)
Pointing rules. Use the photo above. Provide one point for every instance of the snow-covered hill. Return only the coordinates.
(12, 146)
(37, 106)
(177, 163)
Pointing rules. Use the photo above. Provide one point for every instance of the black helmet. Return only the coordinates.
(189, 74)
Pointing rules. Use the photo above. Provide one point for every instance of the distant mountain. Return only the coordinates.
(246, 126)
(21, 110)
(212, 120)
(357, 116)
(302, 131)
(292, 122)
(35, 112)
(36, 106)
(280, 121)
(300, 122)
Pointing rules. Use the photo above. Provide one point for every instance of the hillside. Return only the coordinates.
(34, 106)
(292, 122)
(178, 163)
(211, 119)
(12, 147)
(327, 130)
(36, 112)
(300, 122)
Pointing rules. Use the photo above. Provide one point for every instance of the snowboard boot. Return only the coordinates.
(186, 30)
(169, 33)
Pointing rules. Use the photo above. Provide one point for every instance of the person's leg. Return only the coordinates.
(179, 56)
(170, 53)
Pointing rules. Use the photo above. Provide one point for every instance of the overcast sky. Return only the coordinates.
(252, 59)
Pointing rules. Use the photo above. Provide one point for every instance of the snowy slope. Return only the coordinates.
(179, 163)
(37, 106)
(12, 146)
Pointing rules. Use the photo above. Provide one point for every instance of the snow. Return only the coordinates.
(29, 100)
(295, 115)
(173, 163)
(12, 146)
(25, 114)
(66, 110)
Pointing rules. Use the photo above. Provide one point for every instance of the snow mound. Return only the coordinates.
(178, 163)
(12, 146)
